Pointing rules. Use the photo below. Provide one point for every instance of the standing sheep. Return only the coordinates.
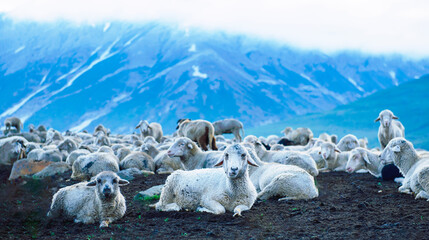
(13, 122)
(229, 126)
(99, 200)
(213, 190)
(200, 131)
(153, 129)
(389, 128)
(415, 168)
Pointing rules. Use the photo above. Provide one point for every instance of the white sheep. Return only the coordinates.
(200, 131)
(99, 200)
(361, 158)
(87, 166)
(286, 181)
(415, 168)
(348, 143)
(389, 127)
(13, 122)
(335, 159)
(12, 149)
(163, 163)
(363, 143)
(229, 126)
(300, 159)
(191, 155)
(300, 135)
(153, 129)
(139, 160)
(213, 190)
(71, 158)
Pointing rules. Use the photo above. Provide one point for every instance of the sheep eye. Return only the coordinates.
(99, 180)
(226, 156)
(243, 156)
(115, 181)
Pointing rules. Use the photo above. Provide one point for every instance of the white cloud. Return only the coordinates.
(376, 26)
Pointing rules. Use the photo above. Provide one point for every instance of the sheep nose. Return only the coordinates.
(234, 169)
(107, 190)
(349, 169)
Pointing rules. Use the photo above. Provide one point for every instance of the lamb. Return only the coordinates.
(348, 143)
(153, 129)
(229, 126)
(213, 190)
(99, 200)
(191, 156)
(415, 168)
(13, 122)
(200, 131)
(286, 181)
(299, 159)
(389, 128)
(299, 135)
(12, 149)
(139, 160)
(87, 166)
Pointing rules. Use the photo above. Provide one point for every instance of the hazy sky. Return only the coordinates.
(375, 26)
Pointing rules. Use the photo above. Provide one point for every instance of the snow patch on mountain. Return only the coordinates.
(197, 72)
(352, 81)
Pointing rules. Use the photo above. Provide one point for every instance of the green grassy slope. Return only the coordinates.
(409, 101)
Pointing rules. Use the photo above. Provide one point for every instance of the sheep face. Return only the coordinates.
(327, 150)
(393, 150)
(107, 184)
(385, 117)
(357, 160)
(348, 143)
(180, 148)
(235, 161)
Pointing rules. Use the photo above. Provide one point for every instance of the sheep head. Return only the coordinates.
(235, 160)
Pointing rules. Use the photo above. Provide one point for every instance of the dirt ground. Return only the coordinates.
(350, 206)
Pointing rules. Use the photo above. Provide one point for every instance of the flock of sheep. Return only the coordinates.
(208, 172)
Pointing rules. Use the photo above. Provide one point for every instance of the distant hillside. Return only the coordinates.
(409, 102)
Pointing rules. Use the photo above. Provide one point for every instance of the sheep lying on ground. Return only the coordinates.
(415, 168)
(389, 128)
(277, 180)
(87, 166)
(328, 138)
(200, 131)
(139, 160)
(336, 160)
(12, 149)
(153, 129)
(71, 158)
(213, 190)
(13, 122)
(163, 163)
(300, 159)
(229, 126)
(299, 135)
(348, 142)
(99, 200)
(361, 158)
(191, 155)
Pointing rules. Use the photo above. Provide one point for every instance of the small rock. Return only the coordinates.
(151, 192)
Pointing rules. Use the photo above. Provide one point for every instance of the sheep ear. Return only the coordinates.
(123, 182)
(337, 150)
(190, 146)
(220, 162)
(396, 148)
(395, 117)
(376, 120)
(250, 161)
(365, 157)
(92, 183)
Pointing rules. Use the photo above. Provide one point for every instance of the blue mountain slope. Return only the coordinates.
(409, 102)
(70, 76)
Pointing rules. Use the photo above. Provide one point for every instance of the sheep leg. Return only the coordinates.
(203, 143)
(422, 194)
(104, 223)
(211, 206)
(239, 209)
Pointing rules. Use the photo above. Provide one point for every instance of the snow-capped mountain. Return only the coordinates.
(70, 76)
